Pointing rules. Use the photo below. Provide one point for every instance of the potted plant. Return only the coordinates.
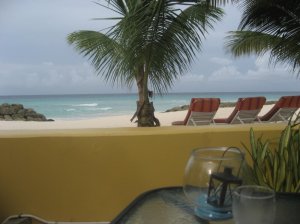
(277, 167)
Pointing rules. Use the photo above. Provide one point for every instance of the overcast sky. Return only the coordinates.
(36, 59)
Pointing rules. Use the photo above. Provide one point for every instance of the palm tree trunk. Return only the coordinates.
(145, 109)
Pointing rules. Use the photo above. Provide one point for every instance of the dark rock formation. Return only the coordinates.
(178, 108)
(17, 112)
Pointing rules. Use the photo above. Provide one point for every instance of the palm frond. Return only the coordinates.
(282, 50)
(269, 25)
(170, 40)
(107, 56)
(248, 42)
(178, 44)
(211, 2)
(153, 35)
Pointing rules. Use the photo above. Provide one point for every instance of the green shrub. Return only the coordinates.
(279, 167)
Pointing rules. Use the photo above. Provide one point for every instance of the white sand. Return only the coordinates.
(108, 122)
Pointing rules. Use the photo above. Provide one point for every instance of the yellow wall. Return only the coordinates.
(91, 175)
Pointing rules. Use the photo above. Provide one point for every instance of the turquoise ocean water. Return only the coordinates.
(98, 105)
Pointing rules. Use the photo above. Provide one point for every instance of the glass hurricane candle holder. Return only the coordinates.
(211, 175)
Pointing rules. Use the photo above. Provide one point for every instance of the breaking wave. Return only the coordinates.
(86, 105)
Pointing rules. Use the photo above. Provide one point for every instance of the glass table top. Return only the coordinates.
(169, 205)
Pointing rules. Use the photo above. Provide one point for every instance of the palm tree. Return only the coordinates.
(269, 25)
(152, 44)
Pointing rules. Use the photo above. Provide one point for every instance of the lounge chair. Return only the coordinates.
(283, 109)
(245, 111)
(201, 111)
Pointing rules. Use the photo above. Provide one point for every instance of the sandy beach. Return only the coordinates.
(166, 118)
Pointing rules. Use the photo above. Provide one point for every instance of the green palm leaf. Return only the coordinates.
(152, 44)
(269, 26)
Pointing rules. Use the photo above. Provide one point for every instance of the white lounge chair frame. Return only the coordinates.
(283, 114)
(245, 116)
(201, 118)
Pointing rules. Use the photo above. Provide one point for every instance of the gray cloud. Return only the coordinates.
(49, 78)
(229, 77)
(221, 61)
(36, 59)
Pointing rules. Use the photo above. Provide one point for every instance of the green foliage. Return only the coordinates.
(158, 37)
(151, 44)
(269, 25)
(212, 2)
(279, 167)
